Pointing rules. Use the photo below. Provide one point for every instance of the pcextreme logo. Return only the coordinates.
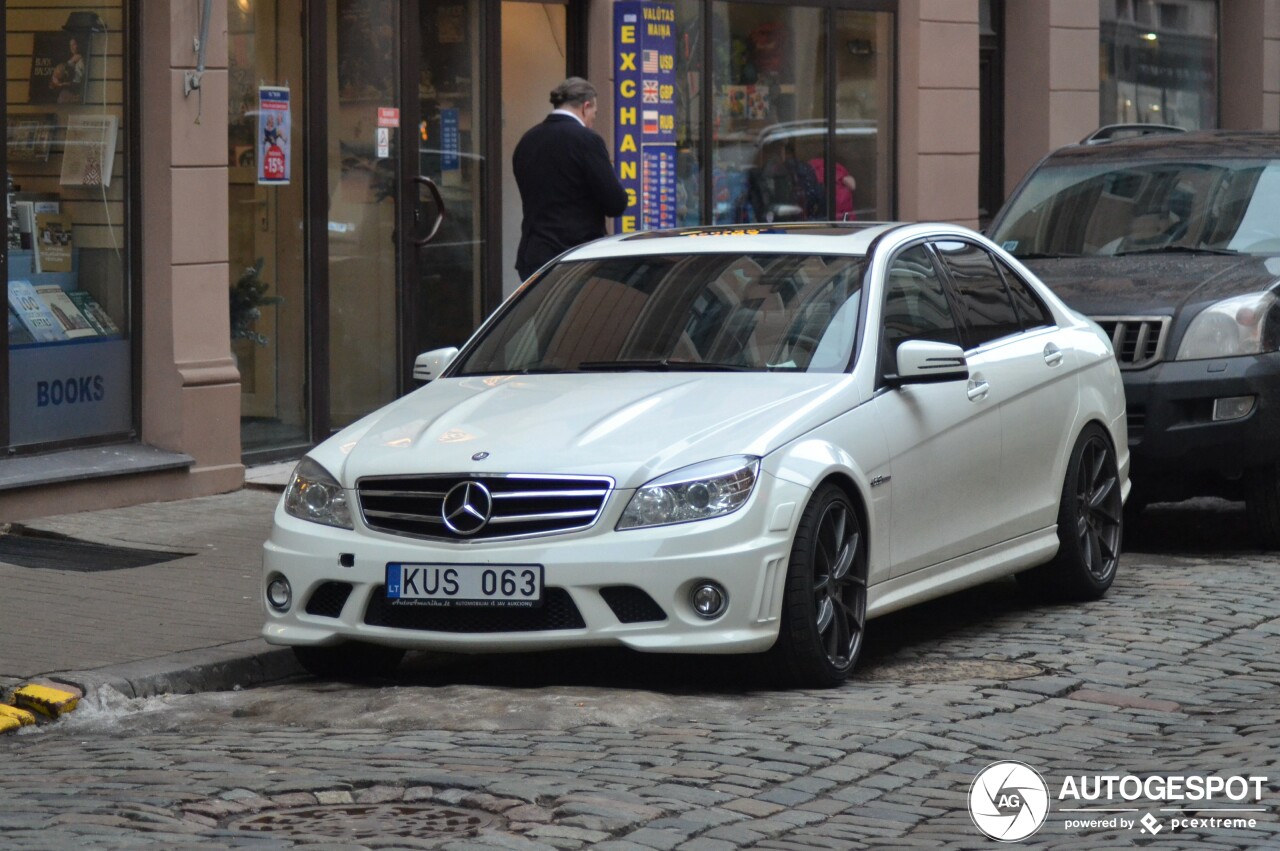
(1008, 801)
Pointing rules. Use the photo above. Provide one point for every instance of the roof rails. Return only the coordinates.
(1111, 131)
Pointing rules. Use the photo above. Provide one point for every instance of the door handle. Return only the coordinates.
(423, 180)
(1052, 354)
(978, 389)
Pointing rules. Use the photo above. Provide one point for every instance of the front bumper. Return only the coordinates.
(1172, 433)
(745, 552)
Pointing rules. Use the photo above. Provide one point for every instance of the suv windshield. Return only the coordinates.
(695, 312)
(1213, 206)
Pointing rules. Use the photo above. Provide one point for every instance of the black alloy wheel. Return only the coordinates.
(825, 598)
(1090, 524)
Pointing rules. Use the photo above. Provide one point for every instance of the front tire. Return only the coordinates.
(824, 603)
(352, 661)
(1262, 501)
(1090, 525)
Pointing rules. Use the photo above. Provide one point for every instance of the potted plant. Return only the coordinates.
(248, 296)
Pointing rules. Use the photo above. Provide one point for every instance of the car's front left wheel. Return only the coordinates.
(1262, 501)
(824, 604)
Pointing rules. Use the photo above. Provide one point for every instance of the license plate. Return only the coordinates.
(495, 585)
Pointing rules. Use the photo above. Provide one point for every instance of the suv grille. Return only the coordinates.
(515, 504)
(1138, 340)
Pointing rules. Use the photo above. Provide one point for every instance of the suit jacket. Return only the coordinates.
(567, 188)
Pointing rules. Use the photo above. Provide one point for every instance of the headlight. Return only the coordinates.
(1236, 326)
(315, 495)
(699, 492)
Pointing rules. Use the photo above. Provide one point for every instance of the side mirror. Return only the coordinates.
(927, 362)
(428, 365)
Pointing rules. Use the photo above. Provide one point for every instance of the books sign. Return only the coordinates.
(644, 51)
(273, 135)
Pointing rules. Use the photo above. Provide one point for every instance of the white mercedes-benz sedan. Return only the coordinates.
(715, 440)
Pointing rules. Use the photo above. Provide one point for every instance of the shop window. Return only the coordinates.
(769, 113)
(1159, 63)
(69, 363)
(784, 141)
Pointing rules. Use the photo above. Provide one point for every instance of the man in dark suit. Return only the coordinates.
(567, 184)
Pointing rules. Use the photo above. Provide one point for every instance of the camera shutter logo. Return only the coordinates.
(1008, 801)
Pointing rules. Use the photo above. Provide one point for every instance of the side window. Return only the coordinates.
(915, 306)
(1030, 309)
(988, 311)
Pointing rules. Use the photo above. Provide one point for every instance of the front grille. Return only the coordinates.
(1139, 341)
(521, 504)
(632, 605)
(556, 612)
(328, 599)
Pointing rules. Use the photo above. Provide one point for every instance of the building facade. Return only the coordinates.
(224, 230)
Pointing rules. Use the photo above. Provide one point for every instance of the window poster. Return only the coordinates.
(273, 135)
(644, 49)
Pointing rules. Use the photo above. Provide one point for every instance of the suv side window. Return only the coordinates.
(915, 306)
(984, 302)
(1030, 309)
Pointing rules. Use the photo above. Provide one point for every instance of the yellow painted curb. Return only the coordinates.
(22, 717)
(49, 702)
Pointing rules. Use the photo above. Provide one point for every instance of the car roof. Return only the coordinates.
(763, 238)
(1196, 145)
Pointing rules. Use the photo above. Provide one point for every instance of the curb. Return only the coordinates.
(222, 668)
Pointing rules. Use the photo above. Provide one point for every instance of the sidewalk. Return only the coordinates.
(82, 613)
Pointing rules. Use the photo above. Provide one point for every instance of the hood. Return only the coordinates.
(630, 426)
(1153, 284)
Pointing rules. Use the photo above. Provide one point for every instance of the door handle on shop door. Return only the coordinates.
(1052, 354)
(978, 389)
(423, 180)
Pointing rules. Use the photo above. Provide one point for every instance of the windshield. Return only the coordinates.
(1215, 206)
(691, 312)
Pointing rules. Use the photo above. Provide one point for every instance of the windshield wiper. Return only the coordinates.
(662, 365)
(1043, 255)
(1176, 249)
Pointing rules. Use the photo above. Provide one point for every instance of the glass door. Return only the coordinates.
(365, 144)
(447, 300)
(268, 287)
(405, 147)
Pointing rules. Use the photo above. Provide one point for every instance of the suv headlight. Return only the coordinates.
(702, 491)
(313, 494)
(1234, 326)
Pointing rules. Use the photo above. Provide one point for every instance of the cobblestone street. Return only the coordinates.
(1174, 673)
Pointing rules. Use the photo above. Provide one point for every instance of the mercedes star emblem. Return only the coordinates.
(467, 507)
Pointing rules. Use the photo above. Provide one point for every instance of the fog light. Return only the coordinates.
(279, 594)
(708, 600)
(1232, 407)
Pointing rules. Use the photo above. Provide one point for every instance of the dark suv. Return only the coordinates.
(1171, 242)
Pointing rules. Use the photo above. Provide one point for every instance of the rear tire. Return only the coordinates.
(1090, 525)
(350, 661)
(824, 602)
(1262, 501)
